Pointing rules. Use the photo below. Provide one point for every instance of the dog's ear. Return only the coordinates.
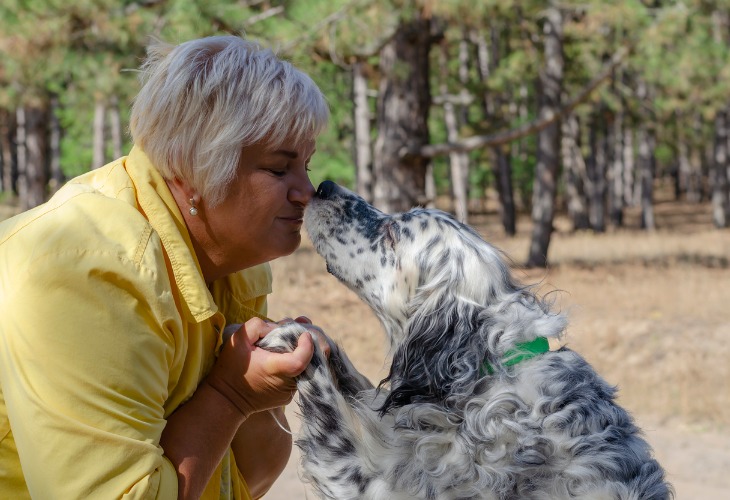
(440, 356)
(467, 311)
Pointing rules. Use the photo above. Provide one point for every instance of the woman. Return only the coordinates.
(114, 294)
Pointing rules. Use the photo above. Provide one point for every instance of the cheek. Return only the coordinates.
(261, 193)
(258, 209)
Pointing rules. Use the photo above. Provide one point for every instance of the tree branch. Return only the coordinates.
(332, 18)
(504, 137)
(263, 15)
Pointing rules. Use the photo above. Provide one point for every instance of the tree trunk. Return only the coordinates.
(616, 172)
(694, 182)
(57, 178)
(361, 119)
(596, 171)
(719, 173)
(484, 66)
(546, 170)
(646, 169)
(32, 156)
(459, 167)
(99, 143)
(708, 166)
(503, 176)
(458, 161)
(404, 100)
(683, 166)
(575, 172)
(629, 166)
(430, 187)
(695, 189)
(521, 147)
(7, 130)
(487, 58)
(22, 156)
(462, 118)
(115, 127)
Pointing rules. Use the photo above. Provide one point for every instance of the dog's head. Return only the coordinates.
(445, 296)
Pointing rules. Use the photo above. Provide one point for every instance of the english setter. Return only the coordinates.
(477, 406)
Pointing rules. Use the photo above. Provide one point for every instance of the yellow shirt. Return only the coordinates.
(106, 327)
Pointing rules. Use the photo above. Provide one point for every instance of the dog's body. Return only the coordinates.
(462, 419)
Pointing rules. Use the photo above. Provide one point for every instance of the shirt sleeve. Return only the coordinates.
(86, 348)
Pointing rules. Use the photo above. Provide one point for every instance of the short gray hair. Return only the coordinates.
(204, 100)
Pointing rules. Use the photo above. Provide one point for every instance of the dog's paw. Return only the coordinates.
(283, 338)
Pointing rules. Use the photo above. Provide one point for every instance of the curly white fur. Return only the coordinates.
(439, 426)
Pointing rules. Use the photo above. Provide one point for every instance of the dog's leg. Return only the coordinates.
(284, 339)
(336, 459)
(350, 381)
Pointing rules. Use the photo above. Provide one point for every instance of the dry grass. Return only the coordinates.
(7, 211)
(648, 310)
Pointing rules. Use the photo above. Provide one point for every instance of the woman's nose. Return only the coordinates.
(302, 191)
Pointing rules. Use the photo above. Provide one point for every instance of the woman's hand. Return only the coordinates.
(321, 337)
(254, 379)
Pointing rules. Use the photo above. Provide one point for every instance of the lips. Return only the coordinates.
(294, 218)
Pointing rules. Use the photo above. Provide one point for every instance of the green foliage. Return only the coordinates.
(333, 160)
(664, 154)
(86, 50)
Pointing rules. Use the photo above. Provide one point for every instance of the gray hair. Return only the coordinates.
(204, 100)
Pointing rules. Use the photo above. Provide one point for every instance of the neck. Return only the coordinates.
(202, 240)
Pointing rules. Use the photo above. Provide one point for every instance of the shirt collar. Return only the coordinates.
(159, 206)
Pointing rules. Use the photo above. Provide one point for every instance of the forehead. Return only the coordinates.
(301, 149)
(287, 150)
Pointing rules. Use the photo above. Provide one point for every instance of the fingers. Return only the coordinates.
(321, 337)
(319, 333)
(295, 362)
(299, 319)
(253, 378)
(257, 328)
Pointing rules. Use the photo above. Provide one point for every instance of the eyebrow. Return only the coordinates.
(285, 152)
(289, 154)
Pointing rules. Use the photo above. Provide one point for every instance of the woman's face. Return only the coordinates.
(260, 218)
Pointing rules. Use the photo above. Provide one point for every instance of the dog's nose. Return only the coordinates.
(326, 189)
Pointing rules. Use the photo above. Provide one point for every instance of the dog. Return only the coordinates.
(475, 405)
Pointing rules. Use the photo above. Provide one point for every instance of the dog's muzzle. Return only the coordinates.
(326, 190)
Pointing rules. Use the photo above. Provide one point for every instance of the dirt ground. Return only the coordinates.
(648, 310)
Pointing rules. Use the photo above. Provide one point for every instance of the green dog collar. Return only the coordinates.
(523, 351)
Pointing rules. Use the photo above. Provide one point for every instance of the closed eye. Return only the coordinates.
(276, 173)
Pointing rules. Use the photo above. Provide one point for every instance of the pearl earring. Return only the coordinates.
(193, 210)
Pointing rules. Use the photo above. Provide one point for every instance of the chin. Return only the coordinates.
(290, 245)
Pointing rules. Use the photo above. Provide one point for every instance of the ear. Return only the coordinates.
(182, 191)
(440, 356)
(181, 188)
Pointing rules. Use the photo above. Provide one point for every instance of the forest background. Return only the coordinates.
(579, 105)
(588, 139)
